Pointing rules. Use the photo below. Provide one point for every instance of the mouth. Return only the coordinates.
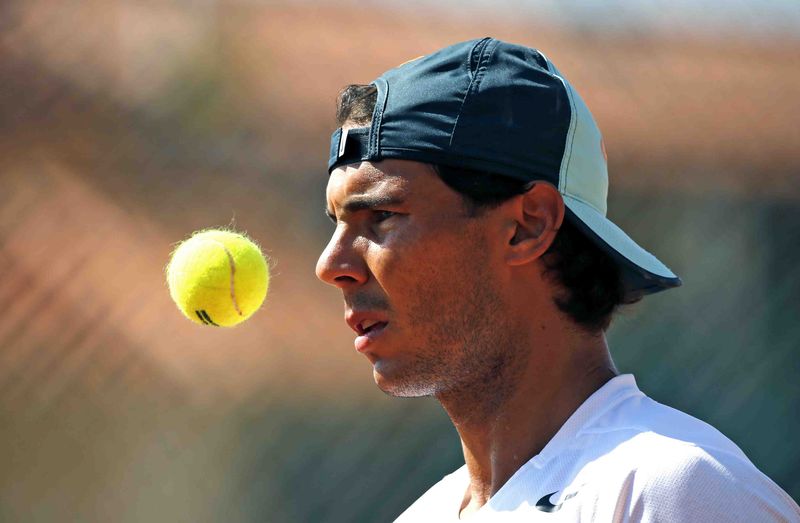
(368, 333)
(368, 325)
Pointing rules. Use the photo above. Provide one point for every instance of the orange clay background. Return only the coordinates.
(125, 126)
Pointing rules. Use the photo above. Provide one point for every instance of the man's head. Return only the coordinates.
(404, 252)
(590, 283)
(455, 237)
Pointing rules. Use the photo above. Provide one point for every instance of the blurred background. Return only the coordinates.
(126, 125)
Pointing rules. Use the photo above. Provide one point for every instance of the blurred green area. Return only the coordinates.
(124, 126)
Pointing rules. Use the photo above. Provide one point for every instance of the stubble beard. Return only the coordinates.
(471, 361)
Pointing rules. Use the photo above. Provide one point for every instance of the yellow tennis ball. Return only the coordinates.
(218, 277)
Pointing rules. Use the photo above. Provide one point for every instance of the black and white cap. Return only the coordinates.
(502, 108)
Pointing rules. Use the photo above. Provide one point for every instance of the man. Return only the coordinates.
(468, 188)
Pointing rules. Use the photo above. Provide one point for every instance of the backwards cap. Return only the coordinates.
(502, 108)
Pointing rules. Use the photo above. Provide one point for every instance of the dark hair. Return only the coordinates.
(591, 280)
(355, 104)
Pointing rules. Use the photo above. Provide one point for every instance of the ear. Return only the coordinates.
(537, 216)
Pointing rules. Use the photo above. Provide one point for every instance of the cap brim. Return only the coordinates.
(643, 273)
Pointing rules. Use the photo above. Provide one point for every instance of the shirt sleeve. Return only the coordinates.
(697, 487)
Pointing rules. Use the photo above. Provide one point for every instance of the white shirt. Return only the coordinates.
(622, 457)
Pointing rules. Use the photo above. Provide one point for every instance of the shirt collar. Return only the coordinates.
(601, 401)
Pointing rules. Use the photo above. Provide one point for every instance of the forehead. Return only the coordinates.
(388, 176)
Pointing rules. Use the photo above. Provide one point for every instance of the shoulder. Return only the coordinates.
(650, 462)
(684, 482)
(656, 424)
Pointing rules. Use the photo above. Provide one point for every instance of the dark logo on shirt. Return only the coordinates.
(545, 505)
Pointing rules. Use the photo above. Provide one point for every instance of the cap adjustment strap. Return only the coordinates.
(348, 146)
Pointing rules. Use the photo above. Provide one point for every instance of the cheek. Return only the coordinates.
(413, 256)
(400, 266)
(430, 281)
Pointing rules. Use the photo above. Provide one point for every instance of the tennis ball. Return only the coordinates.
(218, 277)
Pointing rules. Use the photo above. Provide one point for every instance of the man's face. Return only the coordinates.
(405, 254)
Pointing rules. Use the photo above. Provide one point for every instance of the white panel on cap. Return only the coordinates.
(584, 173)
(583, 182)
(616, 237)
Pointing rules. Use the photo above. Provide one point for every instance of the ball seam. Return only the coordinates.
(233, 274)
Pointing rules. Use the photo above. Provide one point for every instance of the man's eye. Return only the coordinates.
(380, 216)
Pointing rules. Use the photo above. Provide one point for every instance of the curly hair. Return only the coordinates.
(591, 282)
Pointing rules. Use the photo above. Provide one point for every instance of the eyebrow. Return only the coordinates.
(363, 203)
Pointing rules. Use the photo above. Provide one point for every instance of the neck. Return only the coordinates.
(511, 415)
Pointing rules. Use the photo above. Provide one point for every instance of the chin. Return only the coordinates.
(400, 386)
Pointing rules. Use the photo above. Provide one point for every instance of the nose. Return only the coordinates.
(341, 264)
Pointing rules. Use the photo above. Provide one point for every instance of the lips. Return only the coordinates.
(363, 322)
(369, 325)
(369, 336)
